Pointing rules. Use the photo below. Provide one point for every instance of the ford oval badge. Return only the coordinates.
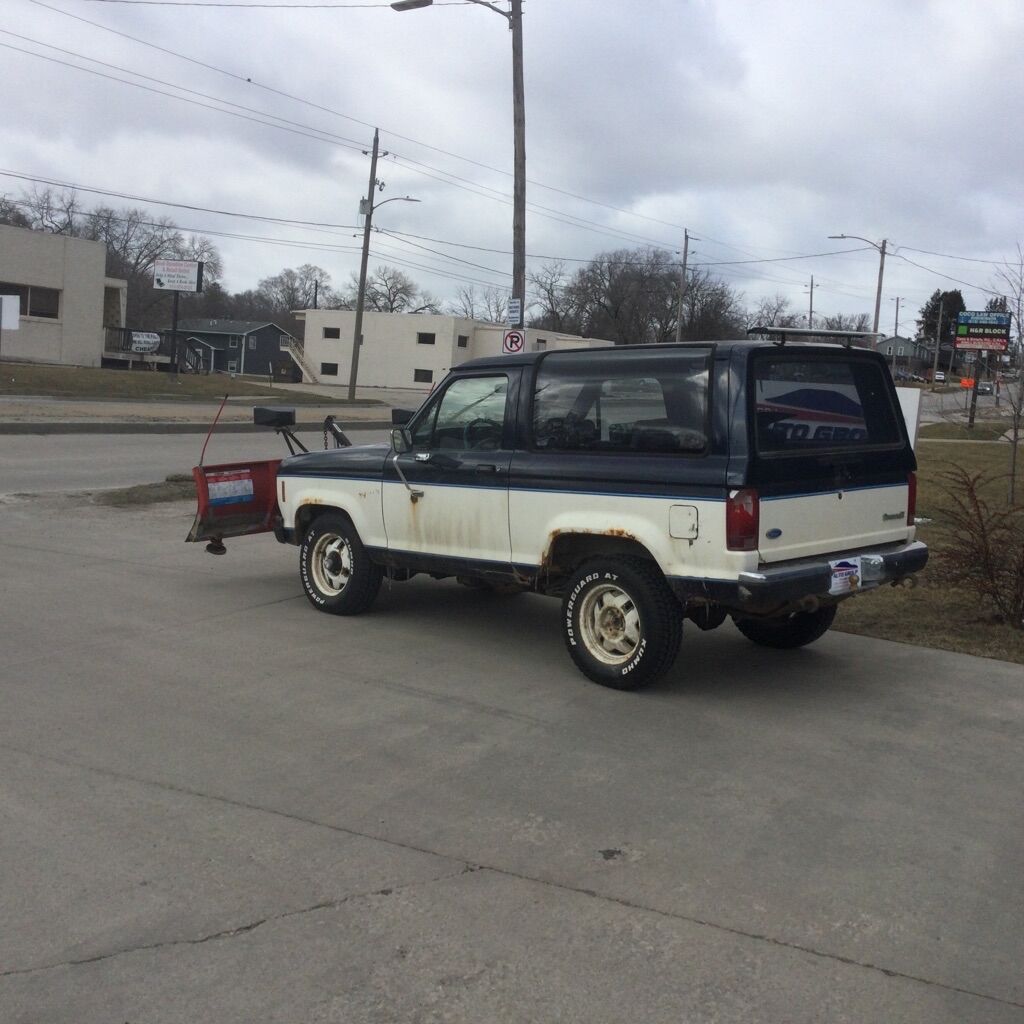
(774, 534)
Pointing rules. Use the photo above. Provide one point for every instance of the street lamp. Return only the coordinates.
(514, 19)
(881, 267)
(367, 206)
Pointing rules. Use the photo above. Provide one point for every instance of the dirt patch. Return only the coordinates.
(176, 487)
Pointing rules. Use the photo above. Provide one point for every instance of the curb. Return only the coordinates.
(175, 428)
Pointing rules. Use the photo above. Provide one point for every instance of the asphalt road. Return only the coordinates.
(220, 805)
(31, 463)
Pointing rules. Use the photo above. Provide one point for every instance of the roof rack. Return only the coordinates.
(781, 334)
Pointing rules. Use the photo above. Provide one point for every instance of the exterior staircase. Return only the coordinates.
(296, 351)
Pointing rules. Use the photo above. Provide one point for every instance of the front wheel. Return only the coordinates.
(788, 631)
(336, 572)
(622, 624)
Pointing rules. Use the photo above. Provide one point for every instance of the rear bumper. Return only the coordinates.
(771, 588)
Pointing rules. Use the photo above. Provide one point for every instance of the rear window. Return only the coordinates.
(641, 402)
(803, 405)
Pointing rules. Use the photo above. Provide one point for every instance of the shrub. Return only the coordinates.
(988, 545)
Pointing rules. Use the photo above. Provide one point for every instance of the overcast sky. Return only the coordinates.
(761, 126)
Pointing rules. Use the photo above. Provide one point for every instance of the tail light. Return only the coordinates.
(742, 517)
(911, 498)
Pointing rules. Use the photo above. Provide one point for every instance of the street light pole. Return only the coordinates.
(881, 247)
(357, 330)
(514, 19)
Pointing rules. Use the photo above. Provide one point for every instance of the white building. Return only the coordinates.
(407, 350)
(65, 296)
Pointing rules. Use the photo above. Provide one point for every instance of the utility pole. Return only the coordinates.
(878, 293)
(938, 337)
(357, 332)
(316, 291)
(810, 311)
(896, 330)
(515, 21)
(682, 286)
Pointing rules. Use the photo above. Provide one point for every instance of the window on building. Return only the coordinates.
(423, 338)
(233, 341)
(44, 302)
(283, 342)
(332, 333)
(463, 341)
(423, 376)
(541, 344)
(34, 300)
(252, 343)
(328, 369)
(232, 366)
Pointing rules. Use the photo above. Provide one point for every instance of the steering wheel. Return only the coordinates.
(482, 435)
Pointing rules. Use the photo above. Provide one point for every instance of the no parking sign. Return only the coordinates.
(513, 342)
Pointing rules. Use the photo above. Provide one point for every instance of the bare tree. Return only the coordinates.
(296, 289)
(388, 290)
(772, 311)
(1009, 280)
(847, 322)
(557, 303)
(11, 213)
(57, 211)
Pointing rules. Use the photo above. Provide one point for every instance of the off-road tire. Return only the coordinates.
(336, 572)
(625, 602)
(788, 631)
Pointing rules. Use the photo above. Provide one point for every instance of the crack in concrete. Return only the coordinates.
(468, 866)
(230, 933)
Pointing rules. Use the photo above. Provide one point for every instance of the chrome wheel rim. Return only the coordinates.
(610, 624)
(331, 564)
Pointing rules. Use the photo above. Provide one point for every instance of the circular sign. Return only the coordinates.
(513, 342)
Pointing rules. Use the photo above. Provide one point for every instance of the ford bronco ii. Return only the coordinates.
(641, 485)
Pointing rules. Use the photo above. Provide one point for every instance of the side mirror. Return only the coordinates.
(399, 417)
(401, 440)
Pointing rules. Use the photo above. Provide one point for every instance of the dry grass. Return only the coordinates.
(87, 382)
(933, 614)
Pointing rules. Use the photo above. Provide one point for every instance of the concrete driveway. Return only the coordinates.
(219, 805)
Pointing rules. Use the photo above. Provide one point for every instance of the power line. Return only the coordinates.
(969, 284)
(56, 183)
(285, 6)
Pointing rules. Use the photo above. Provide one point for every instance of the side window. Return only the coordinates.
(640, 403)
(468, 416)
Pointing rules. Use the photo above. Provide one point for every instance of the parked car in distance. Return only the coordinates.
(985, 387)
(940, 377)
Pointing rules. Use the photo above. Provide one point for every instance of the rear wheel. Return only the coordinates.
(788, 631)
(336, 572)
(622, 624)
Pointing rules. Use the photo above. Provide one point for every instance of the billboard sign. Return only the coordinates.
(178, 275)
(988, 332)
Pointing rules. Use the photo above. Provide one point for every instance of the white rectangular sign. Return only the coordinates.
(515, 312)
(178, 275)
(10, 306)
(910, 405)
(145, 341)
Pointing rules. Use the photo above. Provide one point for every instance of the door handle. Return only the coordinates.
(423, 456)
(486, 467)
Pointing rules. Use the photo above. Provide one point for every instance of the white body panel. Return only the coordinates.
(463, 522)
(360, 498)
(840, 520)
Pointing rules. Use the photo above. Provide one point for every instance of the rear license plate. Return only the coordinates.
(846, 575)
